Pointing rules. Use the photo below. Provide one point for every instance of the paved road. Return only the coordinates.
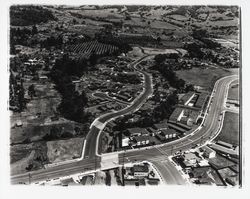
(93, 162)
(92, 137)
(210, 129)
(169, 173)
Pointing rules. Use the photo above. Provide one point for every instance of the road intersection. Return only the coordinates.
(92, 161)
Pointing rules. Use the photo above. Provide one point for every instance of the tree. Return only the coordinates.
(20, 97)
(31, 91)
(74, 21)
(12, 49)
(194, 50)
(34, 30)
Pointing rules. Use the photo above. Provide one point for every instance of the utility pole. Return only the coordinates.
(29, 178)
(201, 140)
(123, 157)
(95, 163)
(172, 150)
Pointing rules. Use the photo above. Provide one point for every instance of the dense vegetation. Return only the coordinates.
(73, 103)
(203, 36)
(165, 109)
(29, 15)
(167, 71)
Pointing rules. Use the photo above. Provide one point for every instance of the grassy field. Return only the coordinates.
(64, 149)
(233, 92)
(230, 130)
(24, 155)
(202, 77)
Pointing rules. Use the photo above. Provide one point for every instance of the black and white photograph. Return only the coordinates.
(124, 95)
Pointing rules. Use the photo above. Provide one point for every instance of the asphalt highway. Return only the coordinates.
(154, 154)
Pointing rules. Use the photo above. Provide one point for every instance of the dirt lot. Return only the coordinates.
(202, 77)
(64, 149)
(233, 92)
(230, 130)
(26, 157)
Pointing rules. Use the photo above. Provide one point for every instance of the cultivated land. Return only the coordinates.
(122, 78)
(230, 130)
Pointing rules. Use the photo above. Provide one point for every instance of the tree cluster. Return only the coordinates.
(73, 103)
(26, 15)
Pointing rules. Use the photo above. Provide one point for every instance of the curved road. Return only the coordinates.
(157, 153)
(93, 135)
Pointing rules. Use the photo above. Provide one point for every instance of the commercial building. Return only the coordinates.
(161, 126)
(224, 144)
(169, 133)
(191, 160)
(143, 140)
(138, 131)
(208, 152)
(140, 170)
(187, 98)
(201, 100)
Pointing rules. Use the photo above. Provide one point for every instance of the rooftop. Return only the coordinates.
(186, 97)
(207, 149)
(225, 144)
(174, 116)
(144, 138)
(178, 128)
(135, 131)
(201, 100)
(141, 168)
(168, 131)
(161, 126)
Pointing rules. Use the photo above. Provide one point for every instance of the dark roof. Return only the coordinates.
(183, 126)
(174, 116)
(151, 130)
(191, 114)
(178, 128)
(168, 131)
(141, 168)
(186, 97)
(160, 137)
(201, 100)
(161, 126)
(136, 130)
(153, 181)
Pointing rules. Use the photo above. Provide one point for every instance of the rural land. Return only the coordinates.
(125, 95)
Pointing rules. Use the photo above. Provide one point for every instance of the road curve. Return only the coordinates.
(210, 129)
(93, 135)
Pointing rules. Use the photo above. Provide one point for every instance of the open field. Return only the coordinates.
(203, 77)
(230, 130)
(64, 149)
(24, 156)
(34, 133)
(233, 92)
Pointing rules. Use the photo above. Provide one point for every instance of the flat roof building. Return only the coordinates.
(138, 131)
(187, 98)
(208, 152)
(201, 100)
(161, 126)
